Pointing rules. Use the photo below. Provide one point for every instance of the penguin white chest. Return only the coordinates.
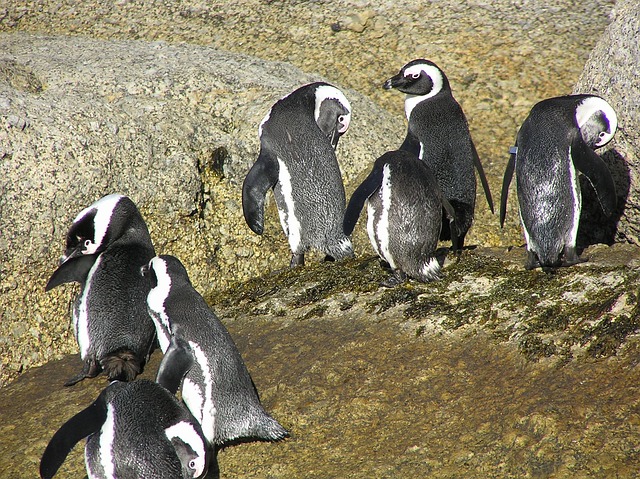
(81, 312)
(198, 395)
(380, 229)
(287, 211)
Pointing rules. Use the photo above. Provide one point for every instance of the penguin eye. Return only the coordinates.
(415, 76)
(602, 134)
(341, 119)
(192, 464)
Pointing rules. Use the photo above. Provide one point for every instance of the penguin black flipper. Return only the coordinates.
(73, 269)
(595, 169)
(262, 176)
(483, 178)
(81, 425)
(453, 224)
(506, 181)
(368, 187)
(411, 144)
(174, 365)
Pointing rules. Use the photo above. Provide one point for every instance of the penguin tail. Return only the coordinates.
(268, 429)
(122, 365)
(429, 270)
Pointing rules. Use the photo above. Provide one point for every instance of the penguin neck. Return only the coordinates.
(411, 101)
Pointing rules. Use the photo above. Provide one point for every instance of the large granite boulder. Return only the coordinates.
(172, 126)
(613, 72)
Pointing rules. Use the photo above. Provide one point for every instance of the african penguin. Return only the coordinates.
(404, 208)
(438, 133)
(556, 141)
(218, 388)
(106, 245)
(297, 161)
(137, 429)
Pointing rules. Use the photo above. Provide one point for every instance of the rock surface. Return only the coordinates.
(492, 372)
(613, 72)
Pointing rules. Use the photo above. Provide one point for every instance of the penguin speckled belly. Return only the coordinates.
(404, 207)
(106, 245)
(297, 161)
(438, 133)
(217, 388)
(137, 429)
(556, 140)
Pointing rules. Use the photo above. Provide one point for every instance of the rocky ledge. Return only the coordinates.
(492, 372)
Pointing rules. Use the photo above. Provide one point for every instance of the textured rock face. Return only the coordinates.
(613, 72)
(83, 118)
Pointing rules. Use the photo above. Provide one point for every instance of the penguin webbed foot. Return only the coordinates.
(90, 369)
(296, 260)
(396, 278)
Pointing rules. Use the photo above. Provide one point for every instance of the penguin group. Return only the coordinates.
(132, 301)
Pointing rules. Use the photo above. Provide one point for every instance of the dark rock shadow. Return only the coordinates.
(595, 227)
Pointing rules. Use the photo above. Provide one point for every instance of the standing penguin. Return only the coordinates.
(404, 208)
(556, 139)
(438, 133)
(137, 429)
(218, 389)
(107, 244)
(297, 161)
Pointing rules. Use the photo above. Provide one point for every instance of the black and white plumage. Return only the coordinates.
(297, 161)
(137, 429)
(438, 134)
(217, 389)
(404, 208)
(556, 141)
(106, 245)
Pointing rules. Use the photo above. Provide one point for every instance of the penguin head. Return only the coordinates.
(98, 225)
(165, 274)
(597, 121)
(419, 78)
(332, 112)
(190, 446)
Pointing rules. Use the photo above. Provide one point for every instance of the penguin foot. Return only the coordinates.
(398, 277)
(296, 260)
(90, 370)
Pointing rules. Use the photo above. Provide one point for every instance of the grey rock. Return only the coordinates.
(613, 72)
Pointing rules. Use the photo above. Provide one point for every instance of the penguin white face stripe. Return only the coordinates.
(288, 218)
(382, 229)
(104, 210)
(436, 77)
(107, 437)
(208, 410)
(325, 92)
(81, 317)
(156, 299)
(592, 105)
(185, 432)
(264, 120)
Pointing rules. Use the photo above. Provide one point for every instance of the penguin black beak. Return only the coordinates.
(394, 82)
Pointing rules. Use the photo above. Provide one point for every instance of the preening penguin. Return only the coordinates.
(404, 208)
(217, 389)
(438, 134)
(297, 161)
(137, 429)
(106, 245)
(555, 141)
